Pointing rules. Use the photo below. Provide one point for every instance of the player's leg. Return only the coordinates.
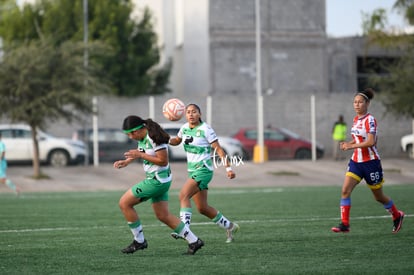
(180, 229)
(126, 204)
(387, 202)
(201, 202)
(374, 178)
(186, 193)
(12, 186)
(350, 181)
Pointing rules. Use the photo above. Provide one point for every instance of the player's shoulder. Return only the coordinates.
(207, 126)
(185, 126)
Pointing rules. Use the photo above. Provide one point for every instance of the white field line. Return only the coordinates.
(31, 230)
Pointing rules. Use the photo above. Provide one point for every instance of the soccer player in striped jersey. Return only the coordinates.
(365, 163)
(153, 151)
(199, 139)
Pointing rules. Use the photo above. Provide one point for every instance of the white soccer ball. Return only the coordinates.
(173, 109)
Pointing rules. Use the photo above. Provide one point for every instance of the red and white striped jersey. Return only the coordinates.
(360, 129)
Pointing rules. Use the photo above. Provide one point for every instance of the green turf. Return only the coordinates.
(283, 231)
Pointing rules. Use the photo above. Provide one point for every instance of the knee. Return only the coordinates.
(123, 204)
(183, 196)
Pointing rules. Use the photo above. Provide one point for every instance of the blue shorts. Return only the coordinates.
(370, 171)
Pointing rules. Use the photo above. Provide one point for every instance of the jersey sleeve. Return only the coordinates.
(210, 134)
(180, 132)
(160, 147)
(371, 125)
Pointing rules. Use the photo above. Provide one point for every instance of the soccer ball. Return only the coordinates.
(173, 109)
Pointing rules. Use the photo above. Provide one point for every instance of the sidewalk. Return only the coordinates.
(248, 174)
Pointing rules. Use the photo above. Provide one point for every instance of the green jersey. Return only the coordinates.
(197, 144)
(161, 173)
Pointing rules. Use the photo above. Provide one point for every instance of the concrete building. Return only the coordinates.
(212, 46)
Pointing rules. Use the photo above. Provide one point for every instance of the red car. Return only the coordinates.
(281, 143)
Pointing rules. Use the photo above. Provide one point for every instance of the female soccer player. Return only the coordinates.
(199, 140)
(365, 163)
(152, 149)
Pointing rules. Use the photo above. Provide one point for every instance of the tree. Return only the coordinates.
(40, 82)
(396, 88)
(132, 66)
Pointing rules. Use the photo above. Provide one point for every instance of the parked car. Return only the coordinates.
(407, 145)
(112, 143)
(281, 143)
(232, 147)
(52, 150)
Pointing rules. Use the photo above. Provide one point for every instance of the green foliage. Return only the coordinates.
(135, 53)
(374, 22)
(282, 231)
(40, 82)
(396, 88)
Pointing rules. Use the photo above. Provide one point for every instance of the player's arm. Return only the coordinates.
(122, 163)
(174, 141)
(220, 152)
(370, 141)
(160, 158)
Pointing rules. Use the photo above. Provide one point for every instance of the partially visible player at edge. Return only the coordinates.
(199, 139)
(3, 169)
(365, 163)
(153, 150)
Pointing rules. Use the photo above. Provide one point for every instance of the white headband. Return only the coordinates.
(364, 95)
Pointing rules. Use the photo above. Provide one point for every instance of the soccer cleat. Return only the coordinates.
(232, 231)
(177, 236)
(193, 247)
(398, 223)
(134, 246)
(341, 228)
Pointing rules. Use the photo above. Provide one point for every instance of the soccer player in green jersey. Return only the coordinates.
(153, 151)
(199, 139)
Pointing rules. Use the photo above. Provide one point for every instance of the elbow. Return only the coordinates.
(163, 163)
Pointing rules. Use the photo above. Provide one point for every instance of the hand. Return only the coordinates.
(133, 154)
(120, 164)
(345, 146)
(231, 174)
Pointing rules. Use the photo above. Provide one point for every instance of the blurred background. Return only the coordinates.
(205, 53)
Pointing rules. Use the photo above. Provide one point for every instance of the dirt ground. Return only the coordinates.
(248, 174)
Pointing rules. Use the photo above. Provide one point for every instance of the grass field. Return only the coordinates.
(283, 231)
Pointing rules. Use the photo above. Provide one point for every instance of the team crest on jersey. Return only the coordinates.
(198, 133)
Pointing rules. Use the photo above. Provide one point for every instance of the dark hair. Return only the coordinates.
(367, 93)
(155, 131)
(195, 106)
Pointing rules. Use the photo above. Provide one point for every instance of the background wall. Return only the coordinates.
(231, 112)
